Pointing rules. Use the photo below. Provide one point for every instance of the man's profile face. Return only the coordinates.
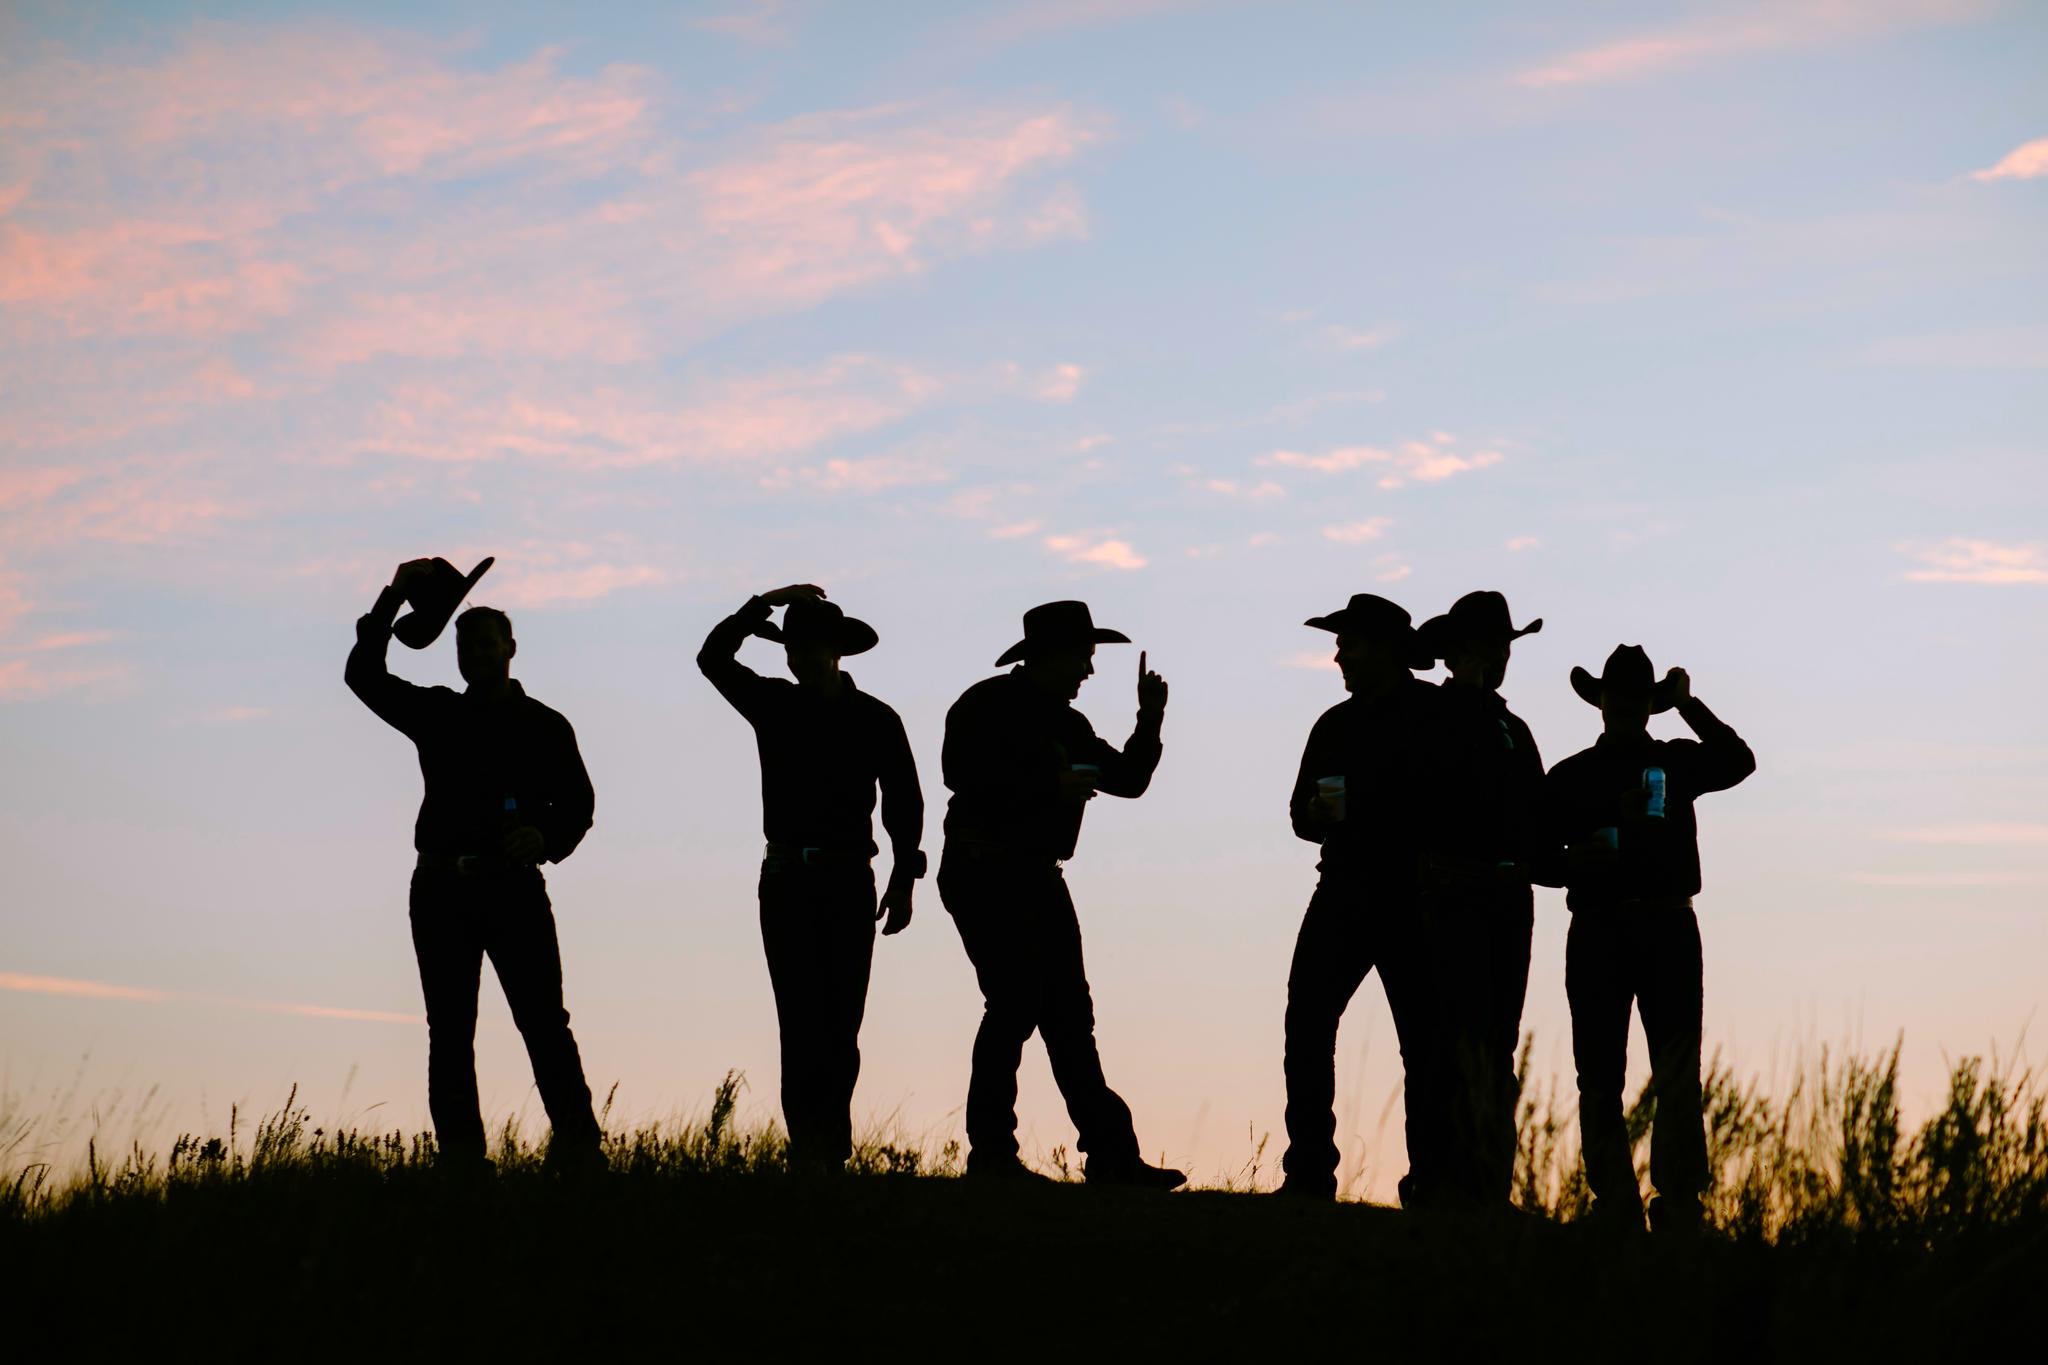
(1062, 671)
(483, 649)
(1364, 659)
(1484, 659)
(810, 662)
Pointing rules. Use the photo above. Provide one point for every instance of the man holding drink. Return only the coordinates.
(1022, 764)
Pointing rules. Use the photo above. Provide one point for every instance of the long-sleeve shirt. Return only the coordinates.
(1380, 747)
(1488, 778)
(1603, 787)
(476, 751)
(822, 758)
(1007, 743)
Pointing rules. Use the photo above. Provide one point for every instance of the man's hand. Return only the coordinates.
(1323, 810)
(1680, 683)
(795, 592)
(1590, 857)
(1151, 687)
(523, 844)
(1077, 787)
(896, 904)
(402, 577)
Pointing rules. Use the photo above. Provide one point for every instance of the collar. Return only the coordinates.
(513, 691)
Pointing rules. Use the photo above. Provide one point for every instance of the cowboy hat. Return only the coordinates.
(1483, 613)
(807, 621)
(1060, 625)
(1366, 614)
(434, 596)
(1627, 671)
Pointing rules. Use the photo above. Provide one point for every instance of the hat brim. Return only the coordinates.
(1418, 660)
(1439, 633)
(854, 636)
(417, 629)
(1589, 688)
(1023, 648)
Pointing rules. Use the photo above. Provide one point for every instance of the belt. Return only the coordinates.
(978, 849)
(811, 855)
(469, 864)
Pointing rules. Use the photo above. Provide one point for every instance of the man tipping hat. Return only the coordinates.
(1624, 811)
(826, 747)
(1022, 764)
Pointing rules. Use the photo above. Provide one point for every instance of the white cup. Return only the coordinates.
(1331, 789)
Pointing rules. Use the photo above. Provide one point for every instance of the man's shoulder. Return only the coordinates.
(992, 691)
(543, 714)
(1575, 763)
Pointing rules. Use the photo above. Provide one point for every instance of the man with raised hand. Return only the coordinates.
(1359, 795)
(506, 791)
(1623, 810)
(1484, 844)
(1022, 765)
(825, 747)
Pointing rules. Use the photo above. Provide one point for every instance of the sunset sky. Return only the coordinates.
(1718, 328)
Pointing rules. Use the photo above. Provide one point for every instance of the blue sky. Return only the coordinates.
(1715, 328)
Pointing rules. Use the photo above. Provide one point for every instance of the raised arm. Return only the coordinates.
(1722, 759)
(394, 700)
(718, 659)
(1128, 771)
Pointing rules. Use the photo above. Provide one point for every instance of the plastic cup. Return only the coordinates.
(1331, 789)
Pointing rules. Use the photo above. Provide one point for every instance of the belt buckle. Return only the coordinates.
(804, 854)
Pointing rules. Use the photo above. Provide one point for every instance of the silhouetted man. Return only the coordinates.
(1022, 765)
(825, 747)
(1624, 811)
(1359, 796)
(505, 792)
(1484, 843)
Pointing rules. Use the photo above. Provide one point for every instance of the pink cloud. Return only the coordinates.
(1783, 25)
(2024, 162)
(1990, 835)
(107, 990)
(1519, 543)
(1358, 532)
(1112, 554)
(1429, 461)
(1960, 559)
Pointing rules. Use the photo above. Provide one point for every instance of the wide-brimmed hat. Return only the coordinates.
(811, 621)
(434, 596)
(1628, 671)
(1060, 625)
(1366, 614)
(1482, 614)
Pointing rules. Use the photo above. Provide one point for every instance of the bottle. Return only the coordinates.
(1653, 784)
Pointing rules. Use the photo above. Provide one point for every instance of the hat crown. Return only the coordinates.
(810, 617)
(1058, 621)
(1370, 611)
(1628, 667)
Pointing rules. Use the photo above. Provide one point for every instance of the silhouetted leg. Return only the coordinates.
(451, 956)
(1670, 1002)
(791, 938)
(1332, 955)
(1509, 928)
(981, 897)
(1411, 961)
(1597, 984)
(1067, 1023)
(528, 959)
(848, 939)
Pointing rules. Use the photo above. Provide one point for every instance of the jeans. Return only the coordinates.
(1348, 932)
(1486, 935)
(818, 928)
(1646, 954)
(1017, 922)
(456, 922)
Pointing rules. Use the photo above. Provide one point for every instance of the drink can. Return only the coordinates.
(1653, 784)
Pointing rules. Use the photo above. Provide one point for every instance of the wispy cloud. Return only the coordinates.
(1106, 553)
(1425, 461)
(1317, 659)
(764, 23)
(107, 990)
(1358, 532)
(1265, 490)
(1749, 29)
(1360, 338)
(1961, 559)
(1945, 881)
(2024, 162)
(2023, 346)
(1517, 544)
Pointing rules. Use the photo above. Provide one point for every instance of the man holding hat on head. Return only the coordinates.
(1623, 810)
(1359, 795)
(506, 791)
(825, 747)
(1485, 842)
(1022, 764)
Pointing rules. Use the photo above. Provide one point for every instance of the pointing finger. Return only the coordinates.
(1141, 663)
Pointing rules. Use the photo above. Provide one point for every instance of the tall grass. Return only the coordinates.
(1830, 1156)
